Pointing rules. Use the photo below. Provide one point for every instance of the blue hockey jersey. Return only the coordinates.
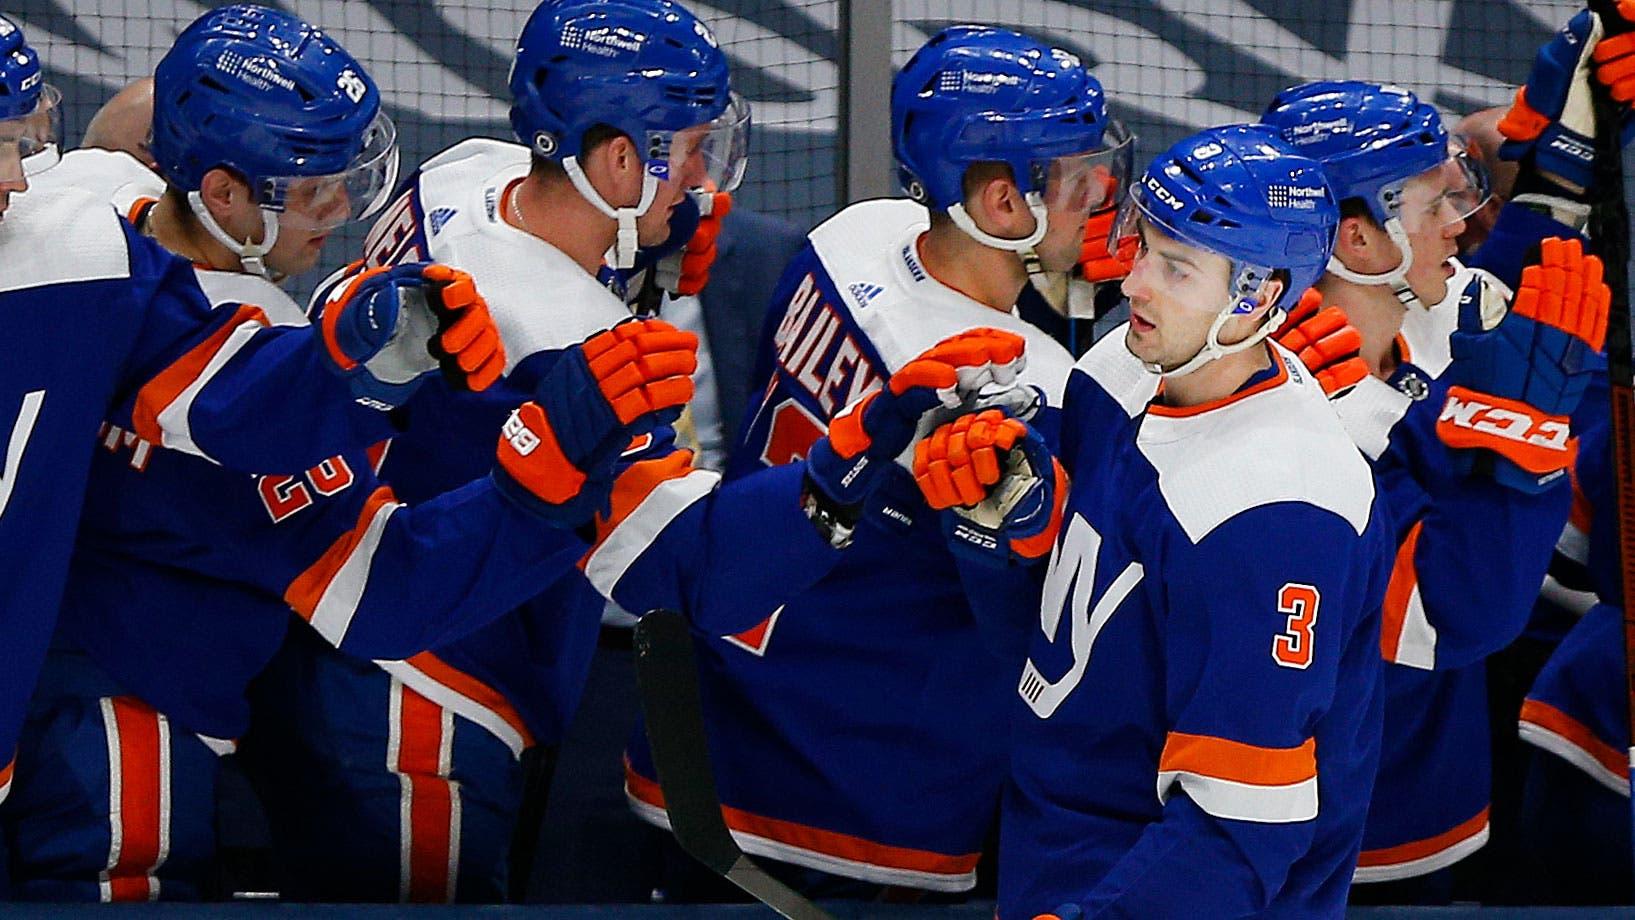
(859, 730)
(1456, 593)
(673, 538)
(184, 573)
(1198, 717)
(100, 320)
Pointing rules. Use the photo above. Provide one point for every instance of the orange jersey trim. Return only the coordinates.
(632, 488)
(1419, 849)
(816, 840)
(1276, 380)
(308, 588)
(1546, 716)
(1204, 755)
(472, 689)
(157, 395)
(1399, 591)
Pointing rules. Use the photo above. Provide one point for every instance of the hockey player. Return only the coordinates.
(142, 694)
(1446, 360)
(102, 323)
(622, 107)
(842, 747)
(1198, 719)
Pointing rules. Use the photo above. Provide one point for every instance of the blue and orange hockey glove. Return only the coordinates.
(1518, 373)
(1551, 125)
(558, 453)
(866, 437)
(985, 467)
(688, 271)
(386, 328)
(1326, 343)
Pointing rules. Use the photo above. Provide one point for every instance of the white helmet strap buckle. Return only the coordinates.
(1397, 278)
(250, 255)
(624, 247)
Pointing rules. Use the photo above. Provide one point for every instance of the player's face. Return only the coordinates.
(14, 181)
(686, 171)
(312, 209)
(1076, 187)
(1434, 207)
(1175, 292)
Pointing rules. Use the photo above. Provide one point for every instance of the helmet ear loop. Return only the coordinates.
(252, 256)
(1023, 247)
(1397, 278)
(625, 245)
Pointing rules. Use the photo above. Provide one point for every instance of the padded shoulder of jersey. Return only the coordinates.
(61, 236)
(869, 252)
(114, 176)
(540, 299)
(1276, 442)
(1119, 373)
(238, 287)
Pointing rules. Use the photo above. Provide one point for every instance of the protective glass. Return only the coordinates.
(711, 156)
(319, 203)
(1089, 182)
(30, 144)
(1443, 194)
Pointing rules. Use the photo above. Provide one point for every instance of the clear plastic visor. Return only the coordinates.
(711, 156)
(1444, 194)
(1196, 277)
(30, 143)
(1089, 182)
(318, 203)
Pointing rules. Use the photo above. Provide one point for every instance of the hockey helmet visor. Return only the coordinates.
(324, 202)
(710, 156)
(31, 143)
(1447, 193)
(1087, 183)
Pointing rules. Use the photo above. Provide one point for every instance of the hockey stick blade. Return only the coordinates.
(667, 678)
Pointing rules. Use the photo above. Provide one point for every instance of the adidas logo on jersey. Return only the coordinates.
(863, 293)
(440, 217)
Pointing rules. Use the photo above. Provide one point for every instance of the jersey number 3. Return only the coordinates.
(1292, 647)
(21, 430)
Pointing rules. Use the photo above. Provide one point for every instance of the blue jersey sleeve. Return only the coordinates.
(1264, 639)
(219, 383)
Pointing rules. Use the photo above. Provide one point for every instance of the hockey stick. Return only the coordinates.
(667, 677)
(1609, 229)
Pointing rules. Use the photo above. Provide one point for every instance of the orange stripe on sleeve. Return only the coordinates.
(1220, 758)
(1419, 849)
(308, 588)
(1546, 716)
(634, 485)
(162, 390)
(1398, 593)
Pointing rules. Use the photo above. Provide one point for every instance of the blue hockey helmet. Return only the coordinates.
(1373, 139)
(1245, 193)
(281, 104)
(30, 110)
(978, 94)
(648, 69)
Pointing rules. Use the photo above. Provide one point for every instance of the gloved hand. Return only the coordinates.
(1551, 125)
(687, 271)
(1098, 265)
(1518, 373)
(1004, 487)
(1615, 52)
(558, 453)
(1326, 343)
(385, 328)
(865, 438)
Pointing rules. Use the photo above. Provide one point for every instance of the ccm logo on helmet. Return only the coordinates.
(521, 438)
(1516, 426)
(1163, 194)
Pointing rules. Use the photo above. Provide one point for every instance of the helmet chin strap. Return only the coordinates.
(624, 247)
(1023, 247)
(1397, 278)
(1213, 348)
(250, 255)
